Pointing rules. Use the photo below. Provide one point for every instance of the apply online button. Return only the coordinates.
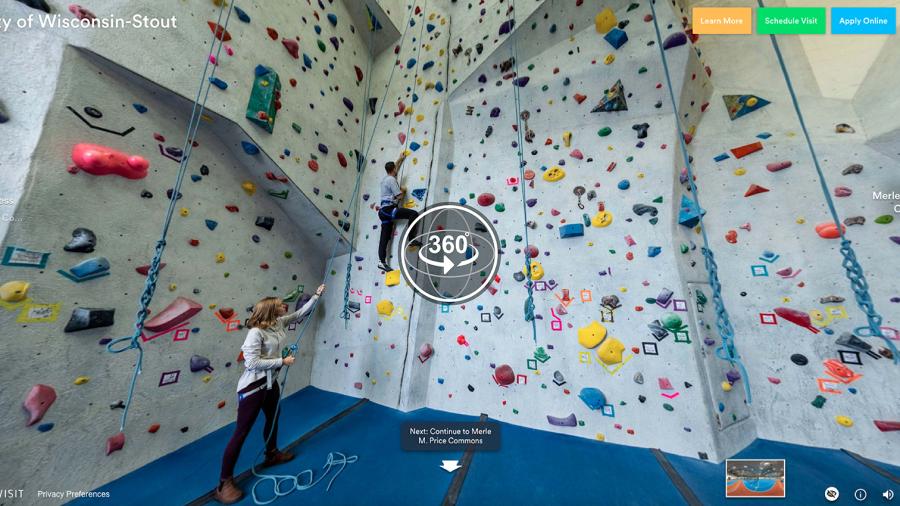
(863, 20)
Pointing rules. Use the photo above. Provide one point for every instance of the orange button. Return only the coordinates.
(722, 20)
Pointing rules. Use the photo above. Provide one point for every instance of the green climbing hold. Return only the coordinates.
(672, 322)
(329, 196)
(471, 195)
(517, 238)
(515, 411)
(701, 298)
(288, 254)
(653, 221)
(658, 200)
(603, 132)
(499, 208)
(581, 423)
(227, 274)
(668, 407)
(650, 300)
(321, 45)
(586, 219)
(684, 249)
(642, 70)
(819, 401)
(531, 67)
(884, 219)
(629, 159)
(545, 88)
(297, 128)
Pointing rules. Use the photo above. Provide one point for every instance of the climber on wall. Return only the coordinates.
(391, 210)
(263, 349)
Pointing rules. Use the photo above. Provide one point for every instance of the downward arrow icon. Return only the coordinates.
(450, 465)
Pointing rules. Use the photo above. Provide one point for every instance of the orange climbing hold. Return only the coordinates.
(754, 190)
(829, 230)
(580, 98)
(742, 151)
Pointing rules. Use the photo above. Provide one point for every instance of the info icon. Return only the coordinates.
(458, 256)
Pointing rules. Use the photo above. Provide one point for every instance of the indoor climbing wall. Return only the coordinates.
(613, 355)
(370, 357)
(75, 263)
(783, 282)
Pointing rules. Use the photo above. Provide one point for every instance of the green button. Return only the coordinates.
(778, 20)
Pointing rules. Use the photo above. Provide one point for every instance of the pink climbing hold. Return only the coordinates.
(101, 161)
(81, 13)
(576, 154)
(842, 191)
(401, 108)
(145, 269)
(179, 310)
(486, 199)
(292, 46)
(504, 375)
(115, 443)
(774, 381)
(38, 401)
(401, 137)
(776, 166)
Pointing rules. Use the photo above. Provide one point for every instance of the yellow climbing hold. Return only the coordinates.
(392, 278)
(567, 139)
(605, 21)
(185, 212)
(81, 380)
(801, 220)
(172, 287)
(609, 59)
(537, 270)
(14, 291)
(610, 352)
(602, 219)
(554, 174)
(220, 257)
(751, 102)
(420, 117)
(411, 203)
(207, 378)
(385, 307)
(249, 187)
(600, 437)
(846, 421)
(592, 335)
(213, 306)
(623, 289)
(740, 171)
(726, 386)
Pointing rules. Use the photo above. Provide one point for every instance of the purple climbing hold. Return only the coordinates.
(348, 104)
(323, 149)
(568, 421)
(732, 376)
(675, 40)
(334, 42)
(521, 82)
(507, 26)
(495, 112)
(482, 79)
(531, 202)
(896, 239)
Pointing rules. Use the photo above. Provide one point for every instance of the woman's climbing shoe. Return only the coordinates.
(279, 457)
(228, 493)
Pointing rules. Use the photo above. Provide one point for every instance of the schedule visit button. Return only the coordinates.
(864, 20)
(776, 20)
(722, 20)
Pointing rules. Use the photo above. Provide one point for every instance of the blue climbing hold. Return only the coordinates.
(140, 108)
(571, 230)
(689, 214)
(218, 83)
(616, 38)
(592, 397)
(332, 18)
(427, 65)
(439, 86)
(419, 193)
(414, 146)
(262, 70)
(430, 27)
(45, 427)
(307, 61)
(241, 14)
(450, 165)
(250, 148)
(624, 184)
(196, 177)
(652, 251)
(410, 63)
(212, 224)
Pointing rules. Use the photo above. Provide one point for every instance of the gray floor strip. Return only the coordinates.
(676, 479)
(871, 465)
(246, 475)
(456, 485)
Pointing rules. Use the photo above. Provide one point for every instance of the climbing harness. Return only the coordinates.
(727, 350)
(134, 341)
(514, 53)
(851, 265)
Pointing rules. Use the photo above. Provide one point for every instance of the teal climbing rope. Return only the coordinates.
(726, 351)
(134, 341)
(364, 159)
(418, 64)
(520, 142)
(851, 265)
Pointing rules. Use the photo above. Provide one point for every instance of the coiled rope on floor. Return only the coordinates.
(852, 267)
(727, 350)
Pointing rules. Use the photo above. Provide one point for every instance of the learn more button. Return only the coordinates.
(863, 20)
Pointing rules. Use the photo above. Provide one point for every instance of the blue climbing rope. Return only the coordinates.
(412, 99)
(134, 341)
(364, 158)
(294, 480)
(514, 54)
(851, 265)
(726, 351)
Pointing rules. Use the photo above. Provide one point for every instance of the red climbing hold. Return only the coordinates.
(884, 426)
(144, 269)
(292, 46)
(221, 404)
(115, 443)
(264, 266)
(101, 161)
(38, 401)
(796, 317)
(153, 428)
(486, 199)
(580, 98)
(232, 208)
(179, 310)
(194, 242)
(272, 33)
(359, 73)
(754, 190)
(221, 33)
(742, 151)
(342, 159)
(504, 375)
(731, 236)
(226, 312)
(313, 165)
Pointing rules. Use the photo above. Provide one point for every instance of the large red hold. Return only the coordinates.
(102, 161)
(485, 199)
(292, 46)
(504, 375)
(180, 310)
(115, 443)
(38, 401)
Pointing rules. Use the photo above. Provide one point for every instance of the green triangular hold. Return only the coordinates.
(658, 200)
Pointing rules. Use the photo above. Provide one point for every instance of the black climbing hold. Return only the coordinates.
(518, 276)
(266, 222)
(184, 429)
(199, 363)
(255, 238)
(83, 241)
(169, 194)
(642, 398)
(147, 195)
(84, 318)
(641, 129)
(204, 170)
(175, 152)
(4, 117)
(372, 102)
(117, 405)
(799, 359)
(36, 4)
(93, 112)
(471, 388)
